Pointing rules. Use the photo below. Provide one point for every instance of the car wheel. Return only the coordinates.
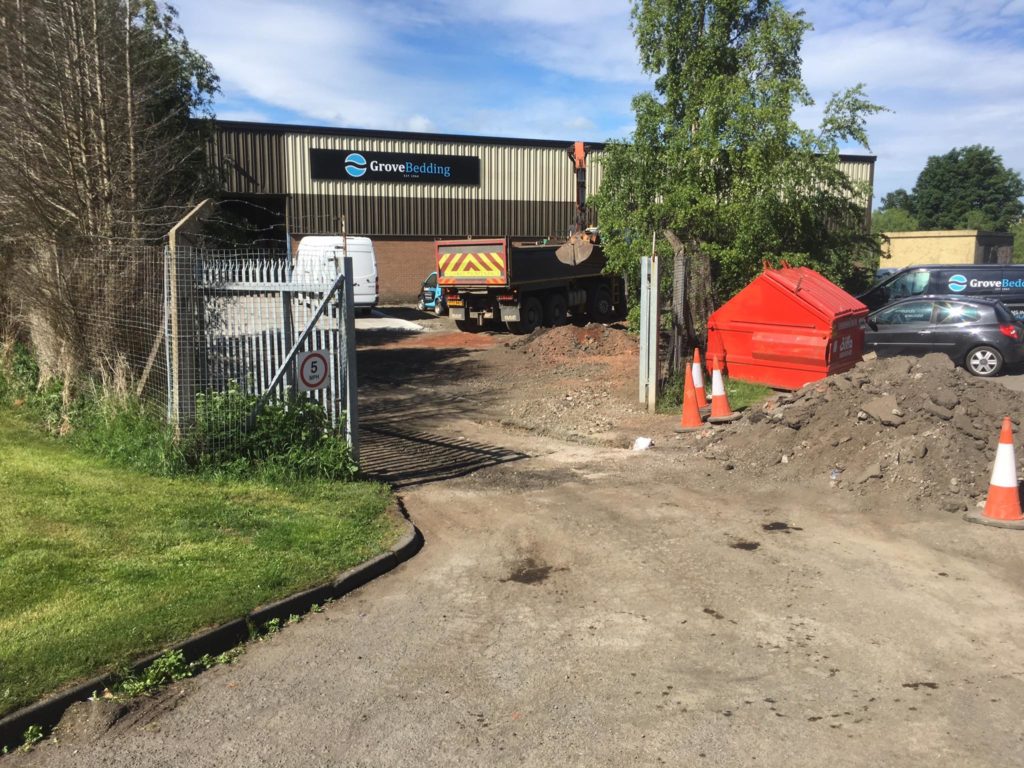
(422, 305)
(439, 307)
(984, 361)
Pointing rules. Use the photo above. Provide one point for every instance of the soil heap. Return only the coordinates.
(914, 429)
(569, 340)
(572, 382)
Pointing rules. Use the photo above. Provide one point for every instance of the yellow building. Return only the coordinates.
(951, 246)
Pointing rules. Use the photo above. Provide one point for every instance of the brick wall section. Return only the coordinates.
(402, 266)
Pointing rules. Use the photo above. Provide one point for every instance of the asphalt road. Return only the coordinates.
(588, 607)
(583, 606)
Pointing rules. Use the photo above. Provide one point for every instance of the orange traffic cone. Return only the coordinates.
(691, 419)
(1002, 508)
(720, 410)
(698, 380)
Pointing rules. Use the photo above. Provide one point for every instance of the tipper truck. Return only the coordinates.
(525, 285)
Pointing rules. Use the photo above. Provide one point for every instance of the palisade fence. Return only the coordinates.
(241, 329)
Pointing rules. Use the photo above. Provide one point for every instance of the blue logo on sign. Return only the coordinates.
(957, 283)
(355, 165)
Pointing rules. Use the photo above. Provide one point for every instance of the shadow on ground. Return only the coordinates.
(404, 457)
(395, 447)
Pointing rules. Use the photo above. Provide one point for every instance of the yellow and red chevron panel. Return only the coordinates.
(472, 262)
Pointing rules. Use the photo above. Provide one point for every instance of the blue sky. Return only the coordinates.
(951, 71)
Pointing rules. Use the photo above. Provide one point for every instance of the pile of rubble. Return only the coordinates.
(913, 428)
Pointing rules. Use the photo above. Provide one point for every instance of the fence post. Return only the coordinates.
(645, 328)
(182, 311)
(649, 329)
(289, 335)
(348, 329)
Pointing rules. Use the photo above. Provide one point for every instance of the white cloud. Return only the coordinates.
(951, 74)
(541, 119)
(244, 115)
(582, 39)
(324, 62)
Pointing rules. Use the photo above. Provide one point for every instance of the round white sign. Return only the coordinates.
(313, 370)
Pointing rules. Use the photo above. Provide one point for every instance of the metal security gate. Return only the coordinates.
(238, 321)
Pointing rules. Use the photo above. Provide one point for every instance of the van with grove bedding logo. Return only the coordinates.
(319, 261)
(1004, 282)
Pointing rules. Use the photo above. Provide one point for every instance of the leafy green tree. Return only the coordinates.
(717, 164)
(893, 220)
(898, 199)
(967, 188)
(1017, 230)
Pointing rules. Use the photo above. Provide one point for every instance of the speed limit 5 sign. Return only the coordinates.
(313, 370)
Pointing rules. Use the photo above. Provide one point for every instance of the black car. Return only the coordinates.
(979, 334)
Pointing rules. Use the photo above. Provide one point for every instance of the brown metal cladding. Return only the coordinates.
(527, 188)
(251, 161)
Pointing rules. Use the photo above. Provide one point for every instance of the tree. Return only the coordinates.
(893, 220)
(967, 188)
(1017, 230)
(717, 163)
(898, 199)
(100, 146)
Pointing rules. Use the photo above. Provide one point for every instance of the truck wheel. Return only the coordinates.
(555, 307)
(600, 305)
(531, 315)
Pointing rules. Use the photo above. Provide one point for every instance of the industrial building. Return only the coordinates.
(406, 190)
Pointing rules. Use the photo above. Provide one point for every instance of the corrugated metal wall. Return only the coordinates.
(862, 171)
(527, 189)
(251, 161)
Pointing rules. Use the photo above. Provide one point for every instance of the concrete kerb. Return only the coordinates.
(216, 640)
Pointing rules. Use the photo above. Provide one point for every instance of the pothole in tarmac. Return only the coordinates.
(530, 571)
(781, 527)
(746, 546)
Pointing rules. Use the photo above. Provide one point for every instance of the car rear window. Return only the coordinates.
(1003, 315)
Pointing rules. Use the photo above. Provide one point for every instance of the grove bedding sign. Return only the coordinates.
(351, 165)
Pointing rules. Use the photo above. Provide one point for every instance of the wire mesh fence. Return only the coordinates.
(227, 346)
(243, 330)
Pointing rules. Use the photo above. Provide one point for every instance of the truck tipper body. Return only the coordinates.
(524, 285)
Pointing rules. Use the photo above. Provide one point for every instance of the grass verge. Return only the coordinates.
(100, 565)
(741, 394)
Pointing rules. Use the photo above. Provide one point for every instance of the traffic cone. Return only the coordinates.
(698, 380)
(721, 413)
(691, 419)
(1002, 508)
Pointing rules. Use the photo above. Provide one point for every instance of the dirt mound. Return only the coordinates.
(570, 340)
(915, 429)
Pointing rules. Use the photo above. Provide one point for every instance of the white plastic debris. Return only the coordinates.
(642, 443)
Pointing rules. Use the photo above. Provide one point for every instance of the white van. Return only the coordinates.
(320, 258)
